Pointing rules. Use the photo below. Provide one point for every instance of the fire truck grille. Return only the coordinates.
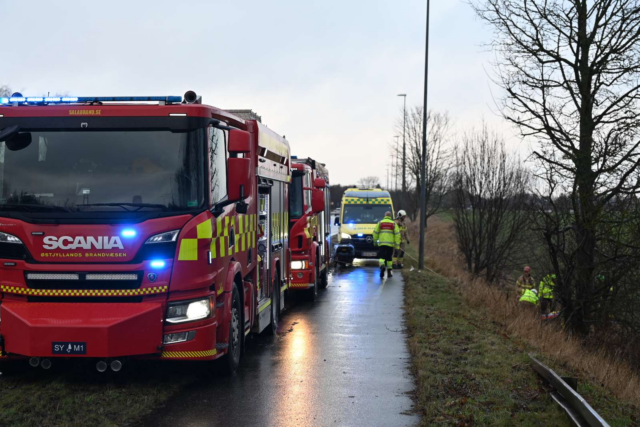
(13, 251)
(67, 280)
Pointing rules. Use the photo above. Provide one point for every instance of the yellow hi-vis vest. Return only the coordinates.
(403, 231)
(387, 233)
(547, 285)
(529, 296)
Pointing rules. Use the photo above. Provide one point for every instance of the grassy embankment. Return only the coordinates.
(472, 368)
(77, 395)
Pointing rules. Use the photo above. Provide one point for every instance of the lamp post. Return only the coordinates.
(388, 176)
(396, 169)
(404, 144)
(423, 164)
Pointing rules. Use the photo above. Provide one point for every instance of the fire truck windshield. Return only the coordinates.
(364, 214)
(114, 171)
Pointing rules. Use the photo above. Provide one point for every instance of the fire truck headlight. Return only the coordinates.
(298, 265)
(9, 238)
(189, 311)
(169, 236)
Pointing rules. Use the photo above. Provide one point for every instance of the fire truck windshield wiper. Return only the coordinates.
(33, 207)
(125, 206)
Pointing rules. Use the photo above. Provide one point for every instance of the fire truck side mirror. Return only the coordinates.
(240, 183)
(317, 201)
(239, 141)
(319, 183)
(240, 170)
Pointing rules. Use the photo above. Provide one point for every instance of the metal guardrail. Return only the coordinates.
(580, 412)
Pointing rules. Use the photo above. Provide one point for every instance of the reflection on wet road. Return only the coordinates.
(341, 361)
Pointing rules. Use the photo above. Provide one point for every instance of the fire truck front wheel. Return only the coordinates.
(313, 292)
(231, 360)
(275, 307)
(324, 276)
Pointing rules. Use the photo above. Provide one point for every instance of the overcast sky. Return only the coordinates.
(323, 73)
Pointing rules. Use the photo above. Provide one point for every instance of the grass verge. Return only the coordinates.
(76, 395)
(467, 372)
(608, 385)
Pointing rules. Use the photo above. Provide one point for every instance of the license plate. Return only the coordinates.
(369, 253)
(69, 347)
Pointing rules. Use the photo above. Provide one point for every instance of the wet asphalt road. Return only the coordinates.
(341, 361)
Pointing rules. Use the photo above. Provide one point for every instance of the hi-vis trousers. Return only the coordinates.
(398, 256)
(385, 253)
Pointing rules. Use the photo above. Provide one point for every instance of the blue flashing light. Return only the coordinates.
(351, 225)
(128, 233)
(130, 99)
(82, 99)
(360, 235)
(158, 264)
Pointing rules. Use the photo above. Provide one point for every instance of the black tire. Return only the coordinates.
(313, 292)
(275, 308)
(230, 361)
(324, 277)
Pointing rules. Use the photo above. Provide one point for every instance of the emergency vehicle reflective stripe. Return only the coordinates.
(244, 230)
(84, 292)
(205, 230)
(361, 201)
(188, 354)
(301, 285)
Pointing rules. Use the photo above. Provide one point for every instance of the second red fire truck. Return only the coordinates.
(138, 230)
(310, 226)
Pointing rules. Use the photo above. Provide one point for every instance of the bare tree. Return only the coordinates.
(369, 182)
(5, 91)
(439, 129)
(571, 73)
(490, 215)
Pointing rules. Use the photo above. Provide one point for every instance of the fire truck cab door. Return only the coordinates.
(264, 254)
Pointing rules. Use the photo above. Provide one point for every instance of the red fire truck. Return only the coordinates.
(138, 227)
(310, 224)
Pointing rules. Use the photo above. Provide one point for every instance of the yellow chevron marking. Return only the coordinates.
(83, 292)
(245, 229)
(188, 354)
(300, 285)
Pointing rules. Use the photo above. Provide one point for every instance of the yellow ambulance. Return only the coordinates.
(361, 210)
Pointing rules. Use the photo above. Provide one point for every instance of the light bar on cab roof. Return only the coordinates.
(82, 99)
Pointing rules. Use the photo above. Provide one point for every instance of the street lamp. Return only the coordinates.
(423, 164)
(396, 169)
(404, 144)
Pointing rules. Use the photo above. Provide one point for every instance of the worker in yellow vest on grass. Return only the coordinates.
(547, 286)
(529, 300)
(525, 282)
